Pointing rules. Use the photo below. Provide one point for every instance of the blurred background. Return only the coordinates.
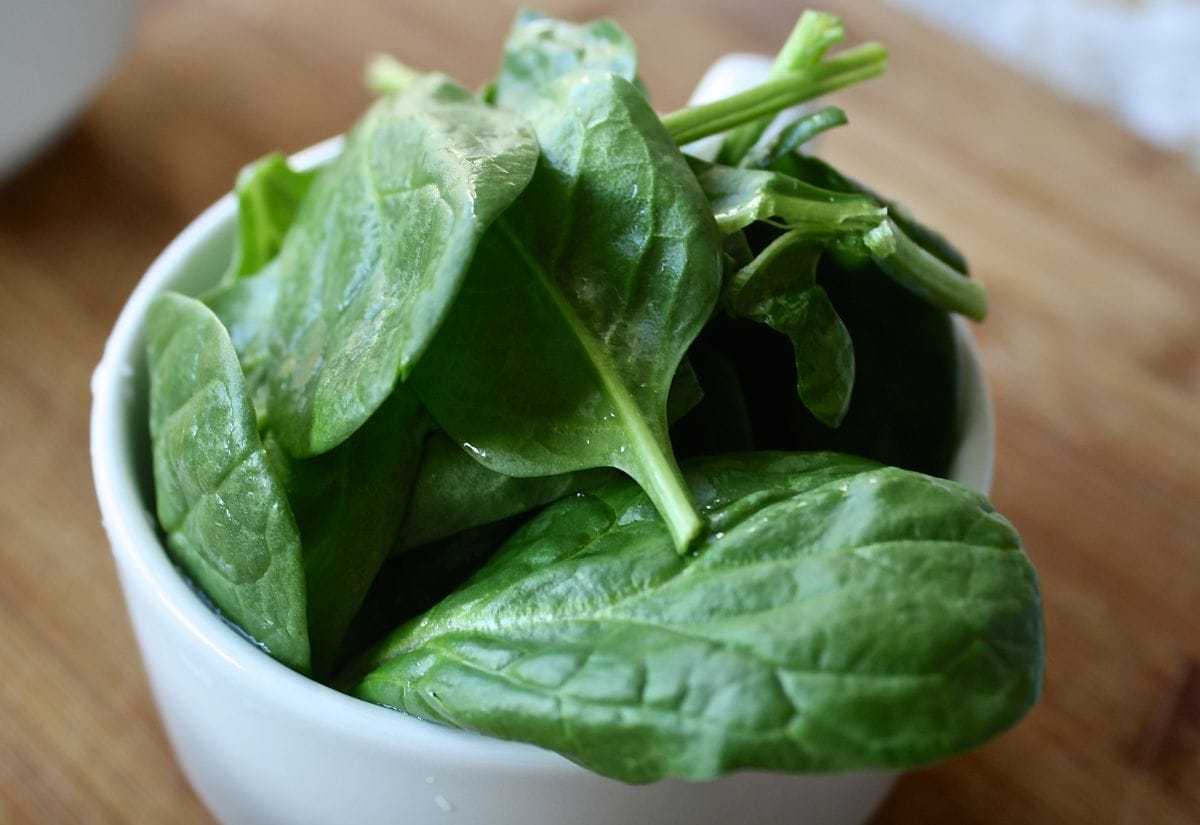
(1054, 141)
(1138, 59)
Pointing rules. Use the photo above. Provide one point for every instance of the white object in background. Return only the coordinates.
(54, 54)
(262, 744)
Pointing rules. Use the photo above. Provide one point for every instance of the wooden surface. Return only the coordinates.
(1088, 241)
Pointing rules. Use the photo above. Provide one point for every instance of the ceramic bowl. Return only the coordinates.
(262, 744)
(54, 54)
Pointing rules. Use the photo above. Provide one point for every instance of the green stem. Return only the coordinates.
(814, 33)
(910, 265)
(774, 95)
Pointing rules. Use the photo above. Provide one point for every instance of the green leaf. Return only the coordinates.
(350, 501)
(379, 250)
(797, 133)
(739, 197)
(454, 491)
(245, 307)
(540, 50)
(779, 288)
(843, 616)
(562, 346)
(905, 408)
(269, 193)
(226, 516)
(349, 505)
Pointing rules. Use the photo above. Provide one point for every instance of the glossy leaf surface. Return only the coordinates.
(560, 351)
(379, 250)
(842, 616)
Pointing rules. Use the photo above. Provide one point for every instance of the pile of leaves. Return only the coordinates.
(516, 417)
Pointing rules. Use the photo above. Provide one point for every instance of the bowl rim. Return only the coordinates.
(137, 549)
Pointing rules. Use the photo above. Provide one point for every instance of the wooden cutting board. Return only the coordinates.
(1088, 241)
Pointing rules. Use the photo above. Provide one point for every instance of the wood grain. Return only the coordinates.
(1088, 241)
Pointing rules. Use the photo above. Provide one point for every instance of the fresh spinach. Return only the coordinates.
(559, 353)
(225, 513)
(540, 50)
(378, 252)
(841, 615)
(269, 193)
(349, 505)
(489, 304)
(779, 288)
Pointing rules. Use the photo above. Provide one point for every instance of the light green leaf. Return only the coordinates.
(541, 49)
(269, 193)
(378, 252)
(225, 513)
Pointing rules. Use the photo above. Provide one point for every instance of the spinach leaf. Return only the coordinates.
(797, 133)
(349, 501)
(226, 516)
(269, 193)
(561, 348)
(779, 288)
(379, 249)
(245, 307)
(454, 491)
(349, 505)
(540, 50)
(843, 616)
(905, 406)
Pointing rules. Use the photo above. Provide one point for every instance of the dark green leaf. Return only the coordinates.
(378, 252)
(349, 505)
(779, 288)
(225, 513)
(905, 406)
(454, 491)
(843, 616)
(562, 346)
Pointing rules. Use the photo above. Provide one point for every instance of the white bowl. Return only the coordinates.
(262, 744)
(54, 54)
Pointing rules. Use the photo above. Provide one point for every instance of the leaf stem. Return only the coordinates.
(918, 270)
(776, 94)
(814, 33)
